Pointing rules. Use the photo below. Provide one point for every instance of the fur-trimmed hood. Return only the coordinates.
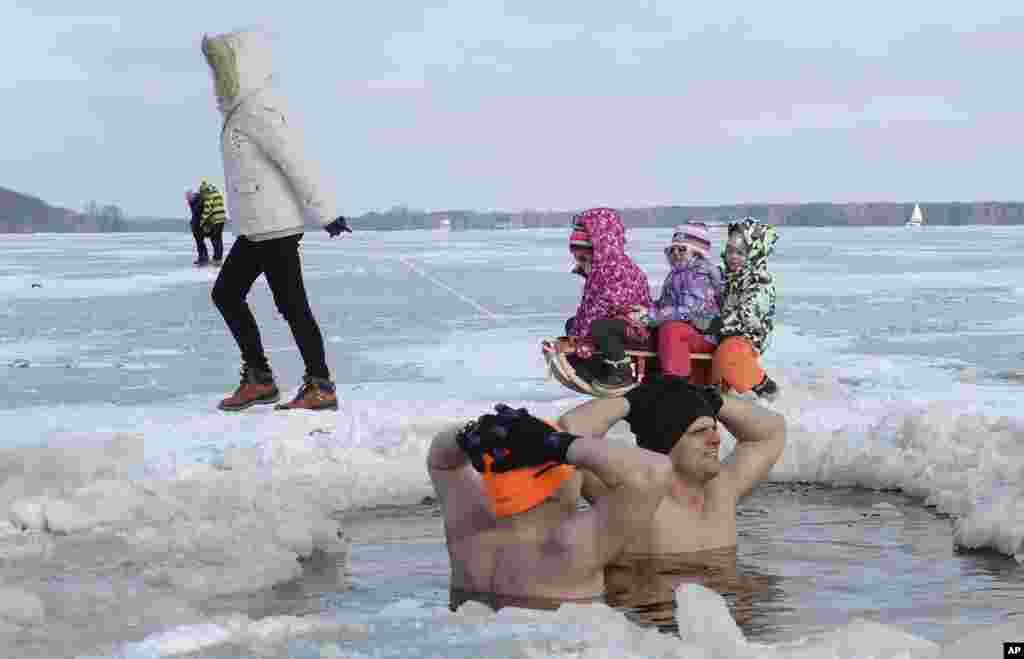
(241, 65)
(616, 284)
(748, 301)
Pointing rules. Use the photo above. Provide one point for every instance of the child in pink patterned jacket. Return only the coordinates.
(615, 286)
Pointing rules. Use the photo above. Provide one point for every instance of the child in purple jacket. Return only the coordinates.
(688, 311)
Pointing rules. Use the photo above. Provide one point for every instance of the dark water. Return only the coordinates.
(809, 559)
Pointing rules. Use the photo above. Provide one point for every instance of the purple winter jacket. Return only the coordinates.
(692, 292)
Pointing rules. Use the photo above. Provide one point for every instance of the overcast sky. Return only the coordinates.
(546, 104)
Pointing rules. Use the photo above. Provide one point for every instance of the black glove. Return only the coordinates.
(568, 325)
(515, 439)
(489, 432)
(472, 444)
(337, 227)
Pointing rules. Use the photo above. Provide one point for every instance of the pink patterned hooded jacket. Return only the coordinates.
(616, 284)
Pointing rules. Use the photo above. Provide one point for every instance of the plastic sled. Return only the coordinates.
(565, 367)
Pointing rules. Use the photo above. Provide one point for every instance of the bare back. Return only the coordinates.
(521, 563)
(532, 554)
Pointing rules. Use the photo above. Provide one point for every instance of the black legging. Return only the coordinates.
(278, 260)
(216, 237)
(609, 336)
(197, 233)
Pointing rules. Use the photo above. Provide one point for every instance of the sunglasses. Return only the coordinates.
(675, 250)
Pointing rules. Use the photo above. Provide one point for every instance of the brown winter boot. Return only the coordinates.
(257, 388)
(314, 394)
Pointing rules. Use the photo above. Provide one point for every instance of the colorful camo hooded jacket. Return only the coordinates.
(748, 300)
(615, 284)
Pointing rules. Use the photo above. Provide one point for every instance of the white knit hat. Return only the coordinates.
(695, 236)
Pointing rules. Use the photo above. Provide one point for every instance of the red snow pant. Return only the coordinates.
(736, 365)
(677, 339)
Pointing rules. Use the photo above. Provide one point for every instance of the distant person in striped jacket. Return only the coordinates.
(211, 219)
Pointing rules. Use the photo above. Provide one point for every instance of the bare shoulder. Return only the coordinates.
(459, 490)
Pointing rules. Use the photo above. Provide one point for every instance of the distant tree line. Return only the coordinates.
(20, 213)
(400, 218)
(102, 219)
(811, 214)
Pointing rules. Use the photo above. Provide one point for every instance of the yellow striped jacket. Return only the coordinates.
(212, 205)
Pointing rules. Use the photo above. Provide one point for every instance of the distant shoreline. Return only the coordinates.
(363, 230)
(21, 214)
(805, 214)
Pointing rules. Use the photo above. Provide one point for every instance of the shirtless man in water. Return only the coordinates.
(681, 421)
(692, 536)
(509, 484)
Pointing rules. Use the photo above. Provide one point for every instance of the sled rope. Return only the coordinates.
(465, 298)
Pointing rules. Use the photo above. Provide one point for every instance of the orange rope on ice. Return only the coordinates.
(465, 298)
(408, 263)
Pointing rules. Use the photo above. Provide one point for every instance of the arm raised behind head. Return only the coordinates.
(595, 417)
(760, 439)
(457, 485)
(445, 454)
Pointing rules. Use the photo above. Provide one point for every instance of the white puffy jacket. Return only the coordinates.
(270, 187)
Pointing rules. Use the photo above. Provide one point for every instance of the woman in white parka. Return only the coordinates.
(272, 191)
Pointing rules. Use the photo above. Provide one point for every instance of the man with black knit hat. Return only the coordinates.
(681, 420)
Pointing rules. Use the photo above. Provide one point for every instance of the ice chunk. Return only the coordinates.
(28, 513)
(21, 607)
(191, 639)
(863, 638)
(403, 607)
(986, 642)
(475, 610)
(16, 544)
(704, 619)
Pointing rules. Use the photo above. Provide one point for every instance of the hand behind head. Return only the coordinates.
(515, 439)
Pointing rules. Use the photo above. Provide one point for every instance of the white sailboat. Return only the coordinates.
(916, 218)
